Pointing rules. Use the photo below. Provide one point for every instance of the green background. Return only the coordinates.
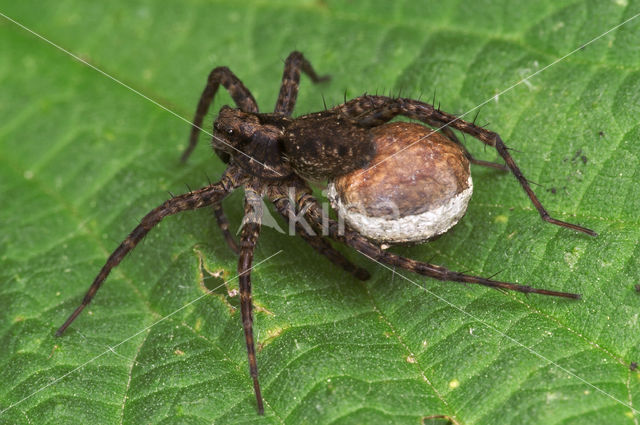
(83, 158)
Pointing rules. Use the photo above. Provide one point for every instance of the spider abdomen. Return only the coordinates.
(416, 187)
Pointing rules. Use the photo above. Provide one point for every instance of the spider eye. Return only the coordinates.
(230, 131)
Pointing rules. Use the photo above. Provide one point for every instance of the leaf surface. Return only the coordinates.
(82, 158)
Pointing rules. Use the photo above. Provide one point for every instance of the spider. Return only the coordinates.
(275, 156)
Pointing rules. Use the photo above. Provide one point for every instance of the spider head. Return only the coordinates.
(232, 128)
(253, 145)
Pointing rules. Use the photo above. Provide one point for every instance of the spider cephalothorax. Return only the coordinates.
(315, 146)
(273, 155)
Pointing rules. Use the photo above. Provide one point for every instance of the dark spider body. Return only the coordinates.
(272, 146)
(273, 155)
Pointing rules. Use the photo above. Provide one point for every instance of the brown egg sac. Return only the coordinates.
(416, 187)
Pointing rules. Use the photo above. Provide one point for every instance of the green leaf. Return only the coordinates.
(82, 158)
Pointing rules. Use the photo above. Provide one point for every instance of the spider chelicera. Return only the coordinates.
(275, 156)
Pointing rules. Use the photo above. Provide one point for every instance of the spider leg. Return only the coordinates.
(223, 223)
(482, 163)
(294, 63)
(239, 93)
(371, 111)
(451, 135)
(374, 252)
(248, 239)
(447, 131)
(189, 201)
(286, 208)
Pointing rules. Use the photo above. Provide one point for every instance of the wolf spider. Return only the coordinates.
(273, 155)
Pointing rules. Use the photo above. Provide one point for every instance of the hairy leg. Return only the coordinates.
(189, 201)
(286, 208)
(239, 93)
(248, 240)
(295, 63)
(371, 111)
(223, 223)
(451, 135)
(353, 239)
